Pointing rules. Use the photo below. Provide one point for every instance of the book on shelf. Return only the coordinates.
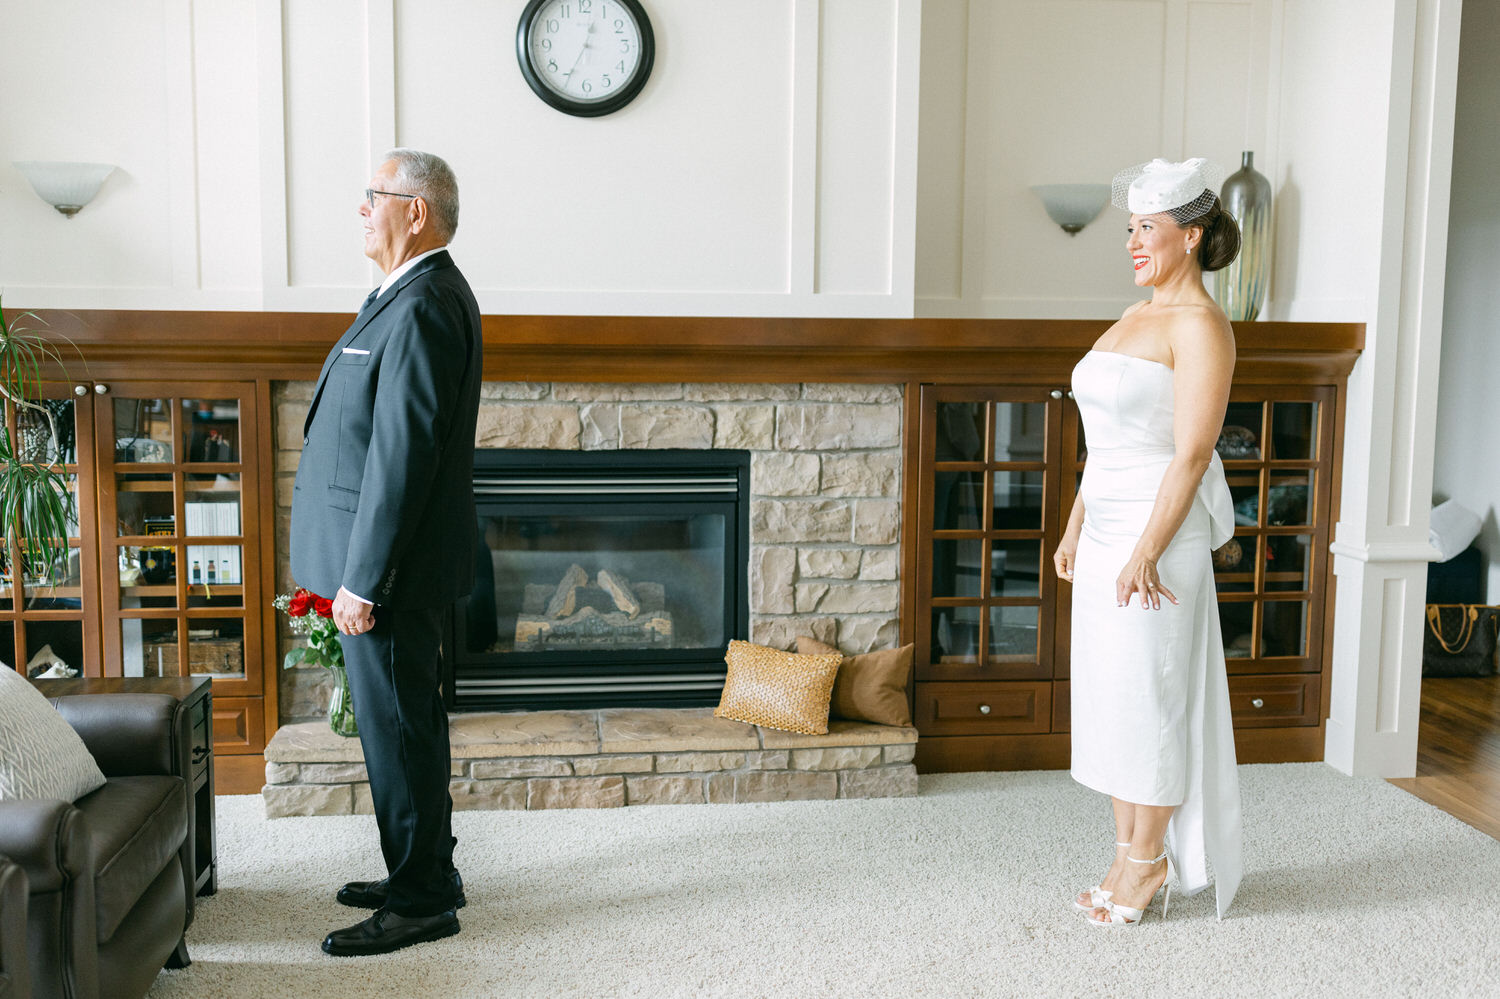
(218, 518)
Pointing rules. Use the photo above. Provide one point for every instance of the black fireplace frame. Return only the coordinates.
(522, 482)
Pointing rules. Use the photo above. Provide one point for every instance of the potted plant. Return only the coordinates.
(37, 505)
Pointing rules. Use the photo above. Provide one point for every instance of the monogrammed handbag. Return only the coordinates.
(1460, 640)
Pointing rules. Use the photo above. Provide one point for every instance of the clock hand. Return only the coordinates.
(580, 52)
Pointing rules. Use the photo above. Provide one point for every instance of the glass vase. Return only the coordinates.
(1241, 287)
(341, 704)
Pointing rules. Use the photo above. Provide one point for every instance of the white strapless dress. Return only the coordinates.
(1150, 696)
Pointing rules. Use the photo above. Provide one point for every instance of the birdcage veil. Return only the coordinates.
(1185, 190)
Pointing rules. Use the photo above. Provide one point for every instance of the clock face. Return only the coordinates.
(585, 57)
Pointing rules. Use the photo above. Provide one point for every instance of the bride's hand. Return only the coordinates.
(1063, 558)
(1139, 576)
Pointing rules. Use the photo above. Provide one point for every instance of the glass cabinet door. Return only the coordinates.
(174, 518)
(990, 506)
(44, 630)
(1276, 446)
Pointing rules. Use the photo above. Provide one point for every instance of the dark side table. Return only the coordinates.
(195, 764)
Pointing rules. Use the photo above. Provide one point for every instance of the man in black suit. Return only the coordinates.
(383, 519)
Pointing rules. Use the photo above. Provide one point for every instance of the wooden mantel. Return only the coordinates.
(292, 345)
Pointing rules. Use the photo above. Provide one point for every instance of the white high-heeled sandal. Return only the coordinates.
(1124, 915)
(1097, 895)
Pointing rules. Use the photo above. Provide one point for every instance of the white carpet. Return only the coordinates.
(1352, 888)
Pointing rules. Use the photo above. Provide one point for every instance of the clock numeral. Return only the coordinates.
(566, 11)
(553, 26)
(546, 45)
(585, 6)
(606, 79)
(620, 65)
(551, 65)
(587, 87)
(619, 26)
(624, 45)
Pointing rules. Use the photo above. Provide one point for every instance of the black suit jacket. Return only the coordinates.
(384, 499)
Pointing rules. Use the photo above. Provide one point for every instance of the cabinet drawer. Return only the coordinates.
(1062, 706)
(1289, 699)
(1001, 707)
(239, 725)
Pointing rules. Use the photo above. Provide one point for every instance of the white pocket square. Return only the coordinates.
(355, 350)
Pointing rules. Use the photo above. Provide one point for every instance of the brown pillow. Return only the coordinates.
(776, 689)
(869, 687)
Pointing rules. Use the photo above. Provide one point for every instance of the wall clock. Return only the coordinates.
(585, 57)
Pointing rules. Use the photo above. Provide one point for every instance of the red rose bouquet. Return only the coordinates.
(311, 617)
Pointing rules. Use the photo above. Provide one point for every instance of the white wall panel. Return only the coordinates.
(226, 97)
(327, 159)
(1070, 91)
(87, 82)
(1329, 188)
(856, 147)
(1074, 92)
(940, 151)
(1222, 114)
(687, 189)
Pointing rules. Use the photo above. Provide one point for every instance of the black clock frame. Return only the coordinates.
(586, 109)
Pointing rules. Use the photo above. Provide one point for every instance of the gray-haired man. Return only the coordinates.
(383, 520)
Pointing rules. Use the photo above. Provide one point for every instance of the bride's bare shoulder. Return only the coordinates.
(1201, 328)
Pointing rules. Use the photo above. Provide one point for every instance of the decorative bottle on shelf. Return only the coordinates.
(1241, 287)
(197, 572)
(212, 575)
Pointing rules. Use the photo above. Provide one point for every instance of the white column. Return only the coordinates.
(1381, 550)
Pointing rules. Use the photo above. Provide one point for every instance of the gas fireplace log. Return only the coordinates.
(565, 598)
(619, 588)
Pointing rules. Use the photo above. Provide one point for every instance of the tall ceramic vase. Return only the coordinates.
(1241, 287)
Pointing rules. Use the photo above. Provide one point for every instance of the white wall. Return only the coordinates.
(1464, 465)
(1024, 92)
(1334, 78)
(765, 168)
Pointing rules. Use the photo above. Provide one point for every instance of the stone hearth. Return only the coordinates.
(605, 759)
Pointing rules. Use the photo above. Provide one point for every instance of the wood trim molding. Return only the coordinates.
(114, 343)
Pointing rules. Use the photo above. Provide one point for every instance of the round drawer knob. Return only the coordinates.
(984, 709)
(1258, 703)
(80, 390)
(100, 388)
(1070, 393)
(1056, 393)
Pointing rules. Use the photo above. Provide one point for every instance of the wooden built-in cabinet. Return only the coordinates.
(999, 468)
(988, 476)
(164, 570)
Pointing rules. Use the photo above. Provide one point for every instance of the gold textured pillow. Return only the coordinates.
(776, 689)
(869, 687)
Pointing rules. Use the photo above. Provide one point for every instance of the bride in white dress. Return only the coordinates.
(1150, 698)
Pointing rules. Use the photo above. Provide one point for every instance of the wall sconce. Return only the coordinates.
(1072, 206)
(66, 186)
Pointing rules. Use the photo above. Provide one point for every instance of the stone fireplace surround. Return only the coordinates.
(825, 482)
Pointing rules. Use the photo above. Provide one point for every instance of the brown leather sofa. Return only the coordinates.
(14, 981)
(109, 875)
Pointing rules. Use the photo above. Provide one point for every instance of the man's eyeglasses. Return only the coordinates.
(370, 196)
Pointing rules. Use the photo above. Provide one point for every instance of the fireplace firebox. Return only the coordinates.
(602, 579)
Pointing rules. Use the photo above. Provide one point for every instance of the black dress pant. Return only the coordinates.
(403, 728)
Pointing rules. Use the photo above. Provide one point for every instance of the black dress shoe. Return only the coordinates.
(373, 894)
(385, 931)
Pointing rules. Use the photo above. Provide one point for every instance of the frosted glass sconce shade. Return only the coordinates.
(1072, 206)
(66, 186)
